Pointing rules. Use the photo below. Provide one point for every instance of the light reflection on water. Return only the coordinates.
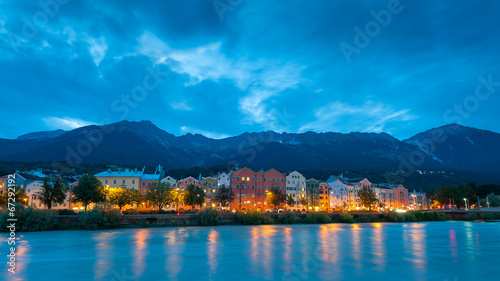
(409, 251)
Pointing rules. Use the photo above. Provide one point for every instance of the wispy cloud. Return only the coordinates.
(367, 117)
(261, 79)
(180, 105)
(213, 135)
(97, 48)
(65, 123)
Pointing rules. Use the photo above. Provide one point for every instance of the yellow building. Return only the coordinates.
(129, 179)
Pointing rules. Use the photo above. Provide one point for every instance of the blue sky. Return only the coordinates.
(224, 67)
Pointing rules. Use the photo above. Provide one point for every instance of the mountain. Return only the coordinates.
(41, 135)
(142, 143)
(460, 148)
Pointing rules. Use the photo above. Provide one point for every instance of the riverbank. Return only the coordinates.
(168, 220)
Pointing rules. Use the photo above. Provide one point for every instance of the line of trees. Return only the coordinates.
(472, 192)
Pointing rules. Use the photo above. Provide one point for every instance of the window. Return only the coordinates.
(114, 181)
(105, 181)
(238, 178)
(143, 184)
(123, 181)
(258, 187)
(133, 181)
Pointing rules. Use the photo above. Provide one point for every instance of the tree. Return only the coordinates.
(159, 195)
(275, 196)
(135, 197)
(89, 190)
(224, 196)
(19, 196)
(290, 201)
(120, 197)
(53, 193)
(367, 197)
(193, 196)
(303, 201)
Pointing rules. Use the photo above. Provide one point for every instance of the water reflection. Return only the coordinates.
(287, 253)
(415, 249)
(213, 245)
(103, 252)
(174, 247)
(140, 251)
(310, 252)
(356, 247)
(23, 259)
(452, 246)
(378, 248)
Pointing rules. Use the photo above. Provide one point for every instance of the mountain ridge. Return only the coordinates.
(143, 143)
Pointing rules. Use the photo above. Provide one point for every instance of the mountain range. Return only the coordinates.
(451, 147)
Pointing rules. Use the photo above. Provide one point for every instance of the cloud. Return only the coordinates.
(181, 105)
(207, 134)
(367, 117)
(261, 79)
(2, 24)
(65, 123)
(97, 48)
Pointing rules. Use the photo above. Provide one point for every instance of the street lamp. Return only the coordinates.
(465, 199)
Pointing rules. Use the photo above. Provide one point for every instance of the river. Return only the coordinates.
(373, 251)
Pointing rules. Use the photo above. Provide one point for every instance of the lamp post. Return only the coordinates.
(465, 199)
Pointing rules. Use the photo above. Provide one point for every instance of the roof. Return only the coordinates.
(30, 177)
(126, 173)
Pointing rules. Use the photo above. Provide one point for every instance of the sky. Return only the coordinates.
(221, 68)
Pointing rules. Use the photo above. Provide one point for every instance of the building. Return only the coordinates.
(150, 176)
(125, 178)
(324, 201)
(250, 188)
(344, 192)
(401, 199)
(209, 186)
(33, 190)
(224, 179)
(385, 195)
(296, 188)
(338, 193)
(312, 193)
(171, 181)
(418, 200)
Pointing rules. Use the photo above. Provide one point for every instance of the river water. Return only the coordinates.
(373, 251)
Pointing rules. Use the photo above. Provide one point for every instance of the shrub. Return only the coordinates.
(29, 219)
(253, 218)
(366, 218)
(208, 217)
(487, 216)
(66, 212)
(100, 218)
(287, 218)
(320, 217)
(346, 218)
(410, 217)
(395, 217)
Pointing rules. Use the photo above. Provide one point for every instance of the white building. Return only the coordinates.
(344, 192)
(223, 179)
(171, 181)
(34, 188)
(296, 187)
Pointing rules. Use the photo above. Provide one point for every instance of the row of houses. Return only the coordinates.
(250, 187)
